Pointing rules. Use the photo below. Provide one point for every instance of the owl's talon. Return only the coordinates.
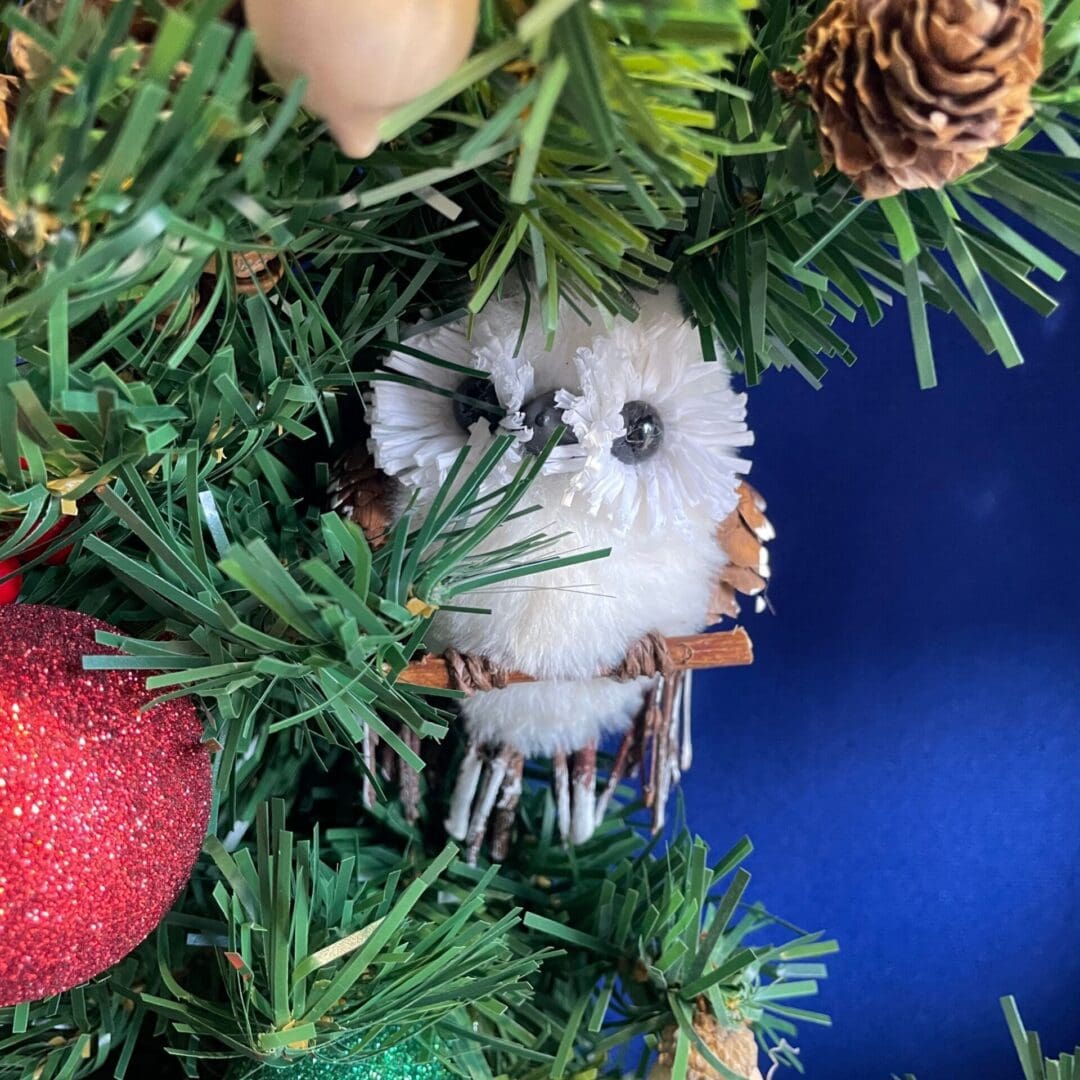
(576, 804)
(494, 771)
(583, 816)
(562, 795)
(468, 779)
(369, 749)
(506, 808)
(487, 792)
(626, 760)
(409, 778)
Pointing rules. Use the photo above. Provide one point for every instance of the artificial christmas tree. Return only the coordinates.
(199, 289)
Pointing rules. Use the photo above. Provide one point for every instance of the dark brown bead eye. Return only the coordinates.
(482, 402)
(543, 415)
(644, 433)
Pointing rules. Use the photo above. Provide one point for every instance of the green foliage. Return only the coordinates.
(652, 934)
(548, 967)
(775, 251)
(1028, 1047)
(595, 148)
(309, 953)
(606, 112)
(76, 1034)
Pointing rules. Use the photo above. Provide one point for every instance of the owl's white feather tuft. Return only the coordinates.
(704, 425)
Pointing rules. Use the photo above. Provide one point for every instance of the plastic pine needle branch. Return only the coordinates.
(660, 936)
(314, 647)
(311, 954)
(779, 255)
(1034, 1065)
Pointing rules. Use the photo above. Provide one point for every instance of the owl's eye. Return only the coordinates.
(482, 402)
(644, 433)
(543, 415)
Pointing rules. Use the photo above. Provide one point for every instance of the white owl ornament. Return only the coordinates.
(649, 466)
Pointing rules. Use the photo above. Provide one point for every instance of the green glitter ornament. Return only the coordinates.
(406, 1060)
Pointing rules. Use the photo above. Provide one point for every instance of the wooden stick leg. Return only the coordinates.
(494, 774)
(468, 778)
(562, 796)
(665, 752)
(685, 706)
(506, 808)
(583, 795)
(369, 748)
(409, 778)
(620, 768)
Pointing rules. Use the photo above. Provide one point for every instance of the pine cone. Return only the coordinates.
(734, 1047)
(914, 93)
(34, 63)
(9, 99)
(360, 492)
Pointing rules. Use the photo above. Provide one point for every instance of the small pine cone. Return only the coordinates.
(32, 61)
(734, 1047)
(360, 492)
(9, 100)
(255, 271)
(914, 93)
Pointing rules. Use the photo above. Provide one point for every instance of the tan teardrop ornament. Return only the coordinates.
(362, 58)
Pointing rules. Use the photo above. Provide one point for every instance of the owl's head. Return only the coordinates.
(652, 431)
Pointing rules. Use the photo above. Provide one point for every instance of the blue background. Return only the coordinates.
(904, 753)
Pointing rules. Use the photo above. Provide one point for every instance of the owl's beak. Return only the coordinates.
(543, 415)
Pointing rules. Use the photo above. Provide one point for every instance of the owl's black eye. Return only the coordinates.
(543, 415)
(644, 433)
(482, 402)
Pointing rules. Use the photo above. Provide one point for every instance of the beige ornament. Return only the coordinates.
(362, 58)
(734, 1047)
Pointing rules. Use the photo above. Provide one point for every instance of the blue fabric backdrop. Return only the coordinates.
(904, 753)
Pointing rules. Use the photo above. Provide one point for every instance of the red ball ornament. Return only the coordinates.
(58, 557)
(10, 587)
(103, 809)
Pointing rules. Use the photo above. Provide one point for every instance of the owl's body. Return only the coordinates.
(657, 510)
(570, 623)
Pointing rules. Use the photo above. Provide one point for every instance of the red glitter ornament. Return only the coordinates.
(10, 587)
(57, 558)
(102, 809)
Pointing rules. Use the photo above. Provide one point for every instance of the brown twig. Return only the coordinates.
(728, 648)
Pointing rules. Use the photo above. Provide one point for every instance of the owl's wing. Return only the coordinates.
(743, 535)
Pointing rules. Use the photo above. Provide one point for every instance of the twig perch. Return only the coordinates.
(727, 648)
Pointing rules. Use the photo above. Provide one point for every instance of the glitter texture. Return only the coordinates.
(398, 1062)
(102, 810)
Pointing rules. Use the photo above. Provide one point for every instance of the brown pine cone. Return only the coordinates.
(360, 492)
(914, 93)
(9, 98)
(734, 1047)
